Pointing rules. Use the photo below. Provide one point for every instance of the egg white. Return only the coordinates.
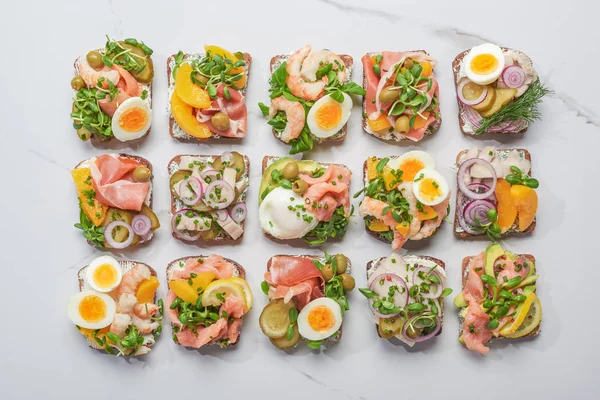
(486, 48)
(439, 179)
(132, 102)
(75, 316)
(279, 221)
(346, 106)
(98, 262)
(304, 327)
(426, 159)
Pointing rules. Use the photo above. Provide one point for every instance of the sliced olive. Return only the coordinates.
(177, 177)
(283, 343)
(342, 263)
(150, 214)
(120, 234)
(392, 325)
(142, 174)
(238, 164)
(291, 170)
(388, 95)
(327, 272)
(402, 124)
(299, 186)
(94, 59)
(275, 318)
(348, 282)
(220, 121)
(147, 74)
(77, 82)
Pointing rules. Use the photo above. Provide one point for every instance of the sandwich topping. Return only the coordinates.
(308, 299)
(209, 196)
(115, 309)
(402, 95)
(499, 90)
(406, 296)
(114, 198)
(112, 92)
(496, 192)
(304, 199)
(498, 298)
(206, 301)
(309, 97)
(405, 198)
(208, 94)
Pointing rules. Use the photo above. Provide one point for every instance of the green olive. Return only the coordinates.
(299, 186)
(413, 332)
(290, 171)
(327, 272)
(348, 282)
(388, 95)
(94, 59)
(220, 121)
(77, 82)
(408, 63)
(141, 174)
(341, 262)
(402, 124)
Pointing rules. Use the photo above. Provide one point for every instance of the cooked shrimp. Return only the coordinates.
(374, 208)
(90, 76)
(142, 350)
(132, 279)
(298, 85)
(144, 325)
(406, 189)
(120, 324)
(145, 310)
(126, 303)
(429, 226)
(318, 59)
(295, 117)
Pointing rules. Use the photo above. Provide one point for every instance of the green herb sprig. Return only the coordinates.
(491, 229)
(325, 230)
(115, 53)
(91, 232)
(519, 178)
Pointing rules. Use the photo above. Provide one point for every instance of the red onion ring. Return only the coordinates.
(182, 235)
(477, 209)
(141, 225)
(227, 159)
(400, 299)
(513, 76)
(225, 198)
(461, 97)
(438, 288)
(222, 215)
(464, 169)
(419, 339)
(210, 173)
(238, 212)
(112, 242)
(195, 194)
(476, 187)
(475, 118)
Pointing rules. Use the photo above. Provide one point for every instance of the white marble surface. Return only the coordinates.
(43, 357)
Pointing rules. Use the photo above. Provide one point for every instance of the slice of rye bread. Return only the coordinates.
(145, 86)
(374, 263)
(267, 160)
(238, 271)
(466, 262)
(456, 64)
(331, 339)
(514, 230)
(126, 266)
(433, 128)
(148, 200)
(348, 63)
(377, 235)
(172, 123)
(222, 236)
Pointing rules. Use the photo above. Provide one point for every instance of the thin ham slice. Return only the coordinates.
(234, 108)
(128, 87)
(290, 271)
(303, 291)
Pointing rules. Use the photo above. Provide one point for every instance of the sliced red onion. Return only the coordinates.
(141, 224)
(513, 76)
(190, 191)
(477, 211)
(182, 235)
(464, 169)
(482, 188)
(112, 242)
(465, 101)
(227, 159)
(435, 289)
(473, 117)
(419, 339)
(400, 297)
(219, 194)
(238, 212)
(466, 227)
(211, 174)
(222, 215)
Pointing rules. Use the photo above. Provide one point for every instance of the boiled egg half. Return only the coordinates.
(91, 310)
(132, 119)
(327, 116)
(104, 274)
(430, 187)
(284, 215)
(320, 319)
(484, 63)
(410, 163)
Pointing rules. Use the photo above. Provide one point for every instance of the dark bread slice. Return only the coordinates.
(512, 231)
(455, 69)
(241, 272)
(81, 281)
(265, 163)
(433, 128)
(145, 163)
(222, 236)
(348, 63)
(465, 272)
(373, 264)
(247, 59)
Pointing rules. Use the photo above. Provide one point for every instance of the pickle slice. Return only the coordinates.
(275, 319)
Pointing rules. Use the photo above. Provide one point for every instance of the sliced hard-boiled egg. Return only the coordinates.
(412, 162)
(284, 215)
(132, 119)
(91, 310)
(484, 63)
(104, 274)
(320, 319)
(327, 117)
(430, 187)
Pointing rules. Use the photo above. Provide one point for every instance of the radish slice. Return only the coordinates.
(472, 98)
(190, 191)
(513, 77)
(141, 225)
(219, 194)
(112, 242)
(238, 212)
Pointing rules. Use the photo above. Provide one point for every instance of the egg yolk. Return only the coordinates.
(105, 276)
(321, 319)
(92, 308)
(410, 168)
(430, 189)
(483, 64)
(133, 119)
(328, 115)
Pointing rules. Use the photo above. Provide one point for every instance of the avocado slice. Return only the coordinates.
(531, 269)
(459, 301)
(530, 280)
(304, 166)
(510, 255)
(528, 289)
(492, 252)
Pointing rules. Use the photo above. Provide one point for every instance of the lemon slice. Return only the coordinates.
(216, 291)
(247, 291)
(526, 320)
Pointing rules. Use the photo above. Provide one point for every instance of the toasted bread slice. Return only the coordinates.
(514, 230)
(392, 136)
(174, 129)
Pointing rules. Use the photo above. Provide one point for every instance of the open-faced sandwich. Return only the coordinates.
(115, 200)
(402, 99)
(208, 196)
(498, 90)
(310, 99)
(304, 199)
(496, 193)
(115, 308)
(307, 299)
(498, 298)
(208, 94)
(406, 295)
(112, 95)
(405, 198)
(207, 300)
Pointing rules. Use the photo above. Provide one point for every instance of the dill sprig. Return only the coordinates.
(523, 109)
